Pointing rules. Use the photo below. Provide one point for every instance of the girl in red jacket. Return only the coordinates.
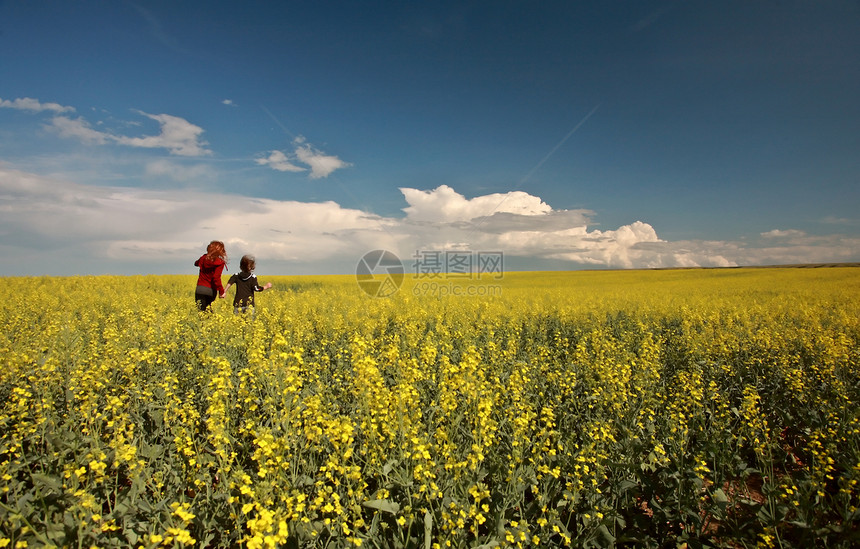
(211, 265)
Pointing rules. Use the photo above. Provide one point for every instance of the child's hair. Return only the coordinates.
(247, 263)
(216, 249)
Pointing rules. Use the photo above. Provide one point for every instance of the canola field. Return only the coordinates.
(678, 408)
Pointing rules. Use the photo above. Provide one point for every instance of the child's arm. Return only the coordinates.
(267, 286)
(230, 281)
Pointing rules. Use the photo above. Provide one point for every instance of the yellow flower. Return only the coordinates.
(180, 510)
(181, 535)
(98, 467)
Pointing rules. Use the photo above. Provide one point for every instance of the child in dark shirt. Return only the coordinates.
(246, 285)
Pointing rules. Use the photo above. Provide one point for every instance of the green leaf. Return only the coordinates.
(55, 532)
(23, 502)
(428, 530)
(383, 505)
(151, 451)
(604, 531)
(626, 485)
(47, 481)
(389, 466)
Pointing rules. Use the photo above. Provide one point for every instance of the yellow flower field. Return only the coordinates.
(581, 409)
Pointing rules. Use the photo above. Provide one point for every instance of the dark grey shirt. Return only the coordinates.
(246, 285)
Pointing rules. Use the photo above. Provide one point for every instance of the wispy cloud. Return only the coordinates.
(277, 160)
(651, 18)
(165, 168)
(321, 165)
(179, 136)
(833, 220)
(158, 32)
(33, 105)
(788, 246)
(78, 128)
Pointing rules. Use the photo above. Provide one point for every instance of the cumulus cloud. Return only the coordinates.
(521, 225)
(43, 216)
(320, 164)
(179, 136)
(516, 222)
(444, 204)
(33, 105)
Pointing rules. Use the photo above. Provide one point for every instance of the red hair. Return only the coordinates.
(215, 249)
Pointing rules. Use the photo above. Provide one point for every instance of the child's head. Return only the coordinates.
(247, 263)
(216, 249)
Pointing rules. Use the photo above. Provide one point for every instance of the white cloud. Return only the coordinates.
(277, 160)
(522, 225)
(444, 204)
(320, 164)
(95, 228)
(228, 102)
(78, 128)
(787, 233)
(178, 136)
(34, 105)
(808, 249)
(132, 225)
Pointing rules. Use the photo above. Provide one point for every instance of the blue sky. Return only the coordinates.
(566, 135)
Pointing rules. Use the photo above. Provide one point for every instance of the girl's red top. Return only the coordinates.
(210, 273)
